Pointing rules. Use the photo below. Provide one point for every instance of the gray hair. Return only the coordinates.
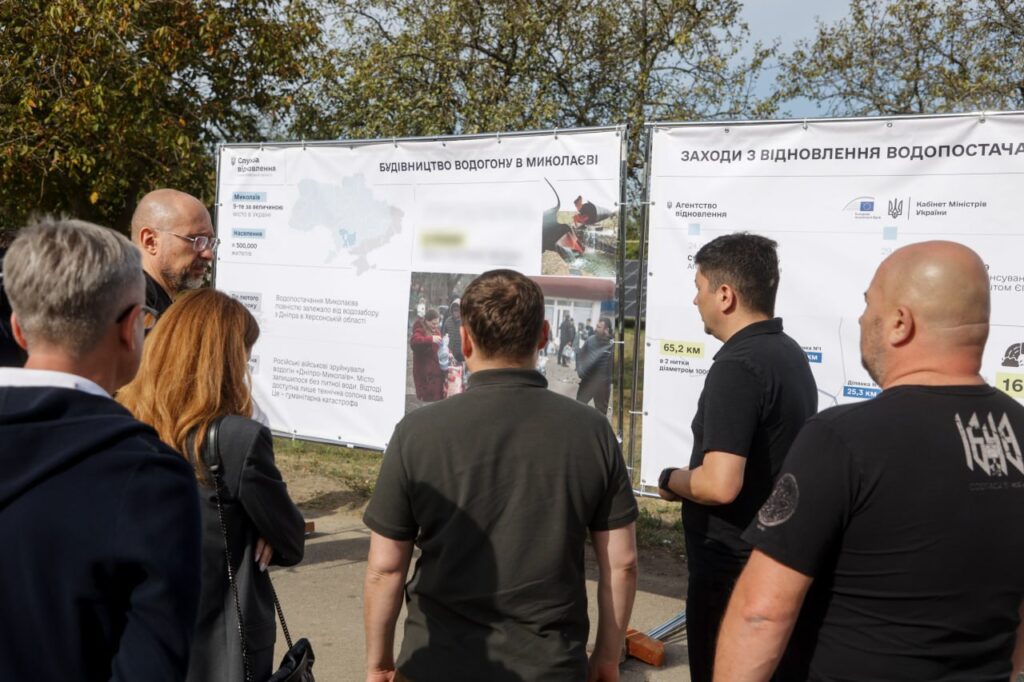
(68, 279)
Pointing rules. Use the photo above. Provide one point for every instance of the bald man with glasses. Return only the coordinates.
(174, 233)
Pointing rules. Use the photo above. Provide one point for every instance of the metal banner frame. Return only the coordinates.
(628, 208)
(620, 131)
(650, 128)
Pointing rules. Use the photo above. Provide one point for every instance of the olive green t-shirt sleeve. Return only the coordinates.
(618, 506)
(390, 512)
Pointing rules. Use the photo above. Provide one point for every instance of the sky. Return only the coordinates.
(789, 21)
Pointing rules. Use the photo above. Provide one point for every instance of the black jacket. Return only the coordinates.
(451, 328)
(566, 332)
(156, 298)
(256, 504)
(594, 361)
(99, 522)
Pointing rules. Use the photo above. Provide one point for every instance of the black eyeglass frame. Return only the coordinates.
(149, 316)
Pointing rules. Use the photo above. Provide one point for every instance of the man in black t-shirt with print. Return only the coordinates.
(757, 396)
(892, 540)
(499, 487)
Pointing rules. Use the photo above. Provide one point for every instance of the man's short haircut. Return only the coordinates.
(503, 311)
(68, 279)
(431, 314)
(746, 262)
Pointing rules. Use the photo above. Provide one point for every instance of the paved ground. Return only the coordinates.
(322, 599)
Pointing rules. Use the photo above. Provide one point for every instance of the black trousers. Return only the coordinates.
(706, 598)
(598, 390)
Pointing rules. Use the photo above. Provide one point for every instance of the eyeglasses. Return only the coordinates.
(200, 243)
(149, 316)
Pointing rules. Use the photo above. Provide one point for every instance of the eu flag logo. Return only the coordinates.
(867, 206)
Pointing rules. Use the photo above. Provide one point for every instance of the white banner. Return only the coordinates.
(838, 196)
(351, 255)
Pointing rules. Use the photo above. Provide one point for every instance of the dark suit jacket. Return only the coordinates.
(256, 504)
(99, 577)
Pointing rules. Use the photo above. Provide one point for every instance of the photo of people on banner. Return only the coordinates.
(581, 241)
(577, 360)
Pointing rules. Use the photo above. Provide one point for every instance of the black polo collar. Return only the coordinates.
(772, 326)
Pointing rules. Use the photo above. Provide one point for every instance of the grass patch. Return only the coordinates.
(660, 526)
(354, 470)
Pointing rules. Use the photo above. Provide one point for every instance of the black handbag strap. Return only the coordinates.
(212, 459)
(213, 463)
(280, 613)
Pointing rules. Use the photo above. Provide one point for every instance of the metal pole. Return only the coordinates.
(620, 314)
(669, 627)
(641, 278)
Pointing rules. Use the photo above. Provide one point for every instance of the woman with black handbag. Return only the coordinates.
(193, 387)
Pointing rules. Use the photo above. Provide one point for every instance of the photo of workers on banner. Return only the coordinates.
(580, 241)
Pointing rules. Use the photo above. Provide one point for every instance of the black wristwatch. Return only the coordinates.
(665, 475)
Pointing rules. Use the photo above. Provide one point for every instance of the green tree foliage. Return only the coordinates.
(410, 68)
(103, 100)
(913, 57)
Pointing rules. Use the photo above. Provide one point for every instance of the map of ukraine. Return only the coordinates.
(358, 222)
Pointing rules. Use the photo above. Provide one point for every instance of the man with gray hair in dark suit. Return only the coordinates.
(101, 519)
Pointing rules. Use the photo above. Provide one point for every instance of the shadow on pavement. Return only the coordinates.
(348, 549)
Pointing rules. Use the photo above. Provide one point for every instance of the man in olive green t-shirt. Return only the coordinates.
(499, 487)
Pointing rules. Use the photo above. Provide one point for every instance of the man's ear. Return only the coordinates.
(19, 334)
(545, 335)
(726, 297)
(467, 341)
(148, 240)
(901, 329)
(126, 329)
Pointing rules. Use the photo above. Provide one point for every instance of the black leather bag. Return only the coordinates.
(297, 663)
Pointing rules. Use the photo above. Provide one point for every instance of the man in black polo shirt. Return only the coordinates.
(895, 524)
(498, 487)
(757, 396)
